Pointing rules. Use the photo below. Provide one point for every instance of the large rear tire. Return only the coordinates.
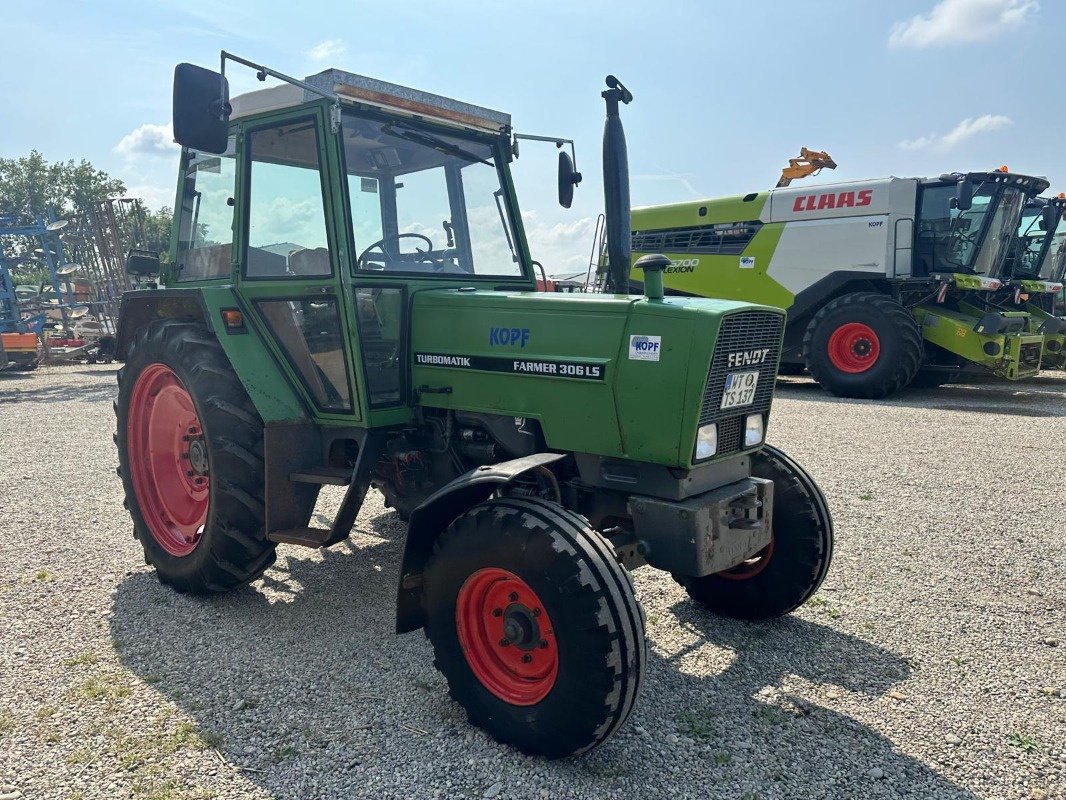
(863, 345)
(789, 571)
(190, 447)
(535, 625)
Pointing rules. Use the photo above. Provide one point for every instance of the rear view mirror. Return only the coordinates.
(1049, 217)
(568, 179)
(964, 195)
(142, 262)
(201, 108)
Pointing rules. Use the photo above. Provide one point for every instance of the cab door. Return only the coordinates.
(293, 269)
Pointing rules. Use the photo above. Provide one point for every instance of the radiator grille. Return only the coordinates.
(740, 333)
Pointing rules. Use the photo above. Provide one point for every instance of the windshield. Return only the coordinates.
(1053, 264)
(996, 245)
(1029, 246)
(425, 201)
(972, 240)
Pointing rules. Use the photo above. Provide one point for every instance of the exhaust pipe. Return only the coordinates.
(616, 188)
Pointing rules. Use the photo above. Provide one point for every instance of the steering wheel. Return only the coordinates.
(380, 245)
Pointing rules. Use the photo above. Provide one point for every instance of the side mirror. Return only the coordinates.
(142, 262)
(201, 108)
(568, 179)
(964, 195)
(1049, 217)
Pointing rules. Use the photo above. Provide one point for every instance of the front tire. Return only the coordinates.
(784, 575)
(190, 448)
(535, 625)
(863, 345)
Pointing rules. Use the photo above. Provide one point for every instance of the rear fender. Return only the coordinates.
(142, 306)
(430, 519)
(271, 391)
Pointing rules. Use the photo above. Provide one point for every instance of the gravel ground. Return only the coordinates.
(929, 665)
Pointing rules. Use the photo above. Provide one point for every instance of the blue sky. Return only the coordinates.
(725, 91)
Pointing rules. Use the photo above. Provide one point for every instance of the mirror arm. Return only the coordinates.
(262, 72)
(557, 141)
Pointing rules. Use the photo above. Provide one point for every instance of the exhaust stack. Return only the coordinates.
(616, 187)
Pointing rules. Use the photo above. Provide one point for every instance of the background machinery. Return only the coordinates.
(539, 443)
(880, 277)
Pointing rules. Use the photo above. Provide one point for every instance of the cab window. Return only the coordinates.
(205, 232)
(426, 201)
(286, 209)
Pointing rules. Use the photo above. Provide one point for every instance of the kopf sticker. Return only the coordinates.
(644, 348)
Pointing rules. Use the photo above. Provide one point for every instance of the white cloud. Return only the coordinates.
(327, 50)
(562, 247)
(153, 196)
(960, 21)
(968, 128)
(672, 177)
(147, 140)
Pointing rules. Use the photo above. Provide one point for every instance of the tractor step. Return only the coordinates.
(334, 476)
(307, 537)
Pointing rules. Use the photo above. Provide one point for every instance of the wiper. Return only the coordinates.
(498, 194)
(441, 145)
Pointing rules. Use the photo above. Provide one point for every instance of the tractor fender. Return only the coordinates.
(141, 306)
(430, 519)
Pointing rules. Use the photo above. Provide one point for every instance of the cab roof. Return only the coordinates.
(353, 88)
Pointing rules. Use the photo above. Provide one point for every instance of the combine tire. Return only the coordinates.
(863, 345)
(535, 626)
(790, 569)
(190, 457)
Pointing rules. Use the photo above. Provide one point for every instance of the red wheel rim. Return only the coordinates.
(752, 566)
(854, 347)
(506, 636)
(168, 460)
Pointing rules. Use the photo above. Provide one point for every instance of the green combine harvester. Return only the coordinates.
(884, 280)
(350, 301)
(1035, 275)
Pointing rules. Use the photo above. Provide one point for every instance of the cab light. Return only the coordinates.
(706, 441)
(753, 430)
(1003, 169)
(232, 318)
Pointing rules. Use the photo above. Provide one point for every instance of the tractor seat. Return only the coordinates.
(309, 261)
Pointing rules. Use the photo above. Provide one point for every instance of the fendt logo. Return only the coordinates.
(748, 357)
(501, 337)
(817, 202)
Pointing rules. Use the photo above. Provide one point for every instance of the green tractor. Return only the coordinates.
(1034, 275)
(351, 301)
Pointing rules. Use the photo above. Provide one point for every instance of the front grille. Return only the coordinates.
(740, 333)
(1029, 355)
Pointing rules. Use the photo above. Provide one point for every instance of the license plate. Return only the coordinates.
(739, 389)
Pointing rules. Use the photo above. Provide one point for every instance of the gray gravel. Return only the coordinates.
(931, 663)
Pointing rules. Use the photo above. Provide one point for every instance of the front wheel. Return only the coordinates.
(790, 569)
(535, 625)
(863, 345)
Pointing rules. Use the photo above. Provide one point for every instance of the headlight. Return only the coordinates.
(753, 430)
(706, 441)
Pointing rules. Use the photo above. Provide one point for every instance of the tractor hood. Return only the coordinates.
(613, 375)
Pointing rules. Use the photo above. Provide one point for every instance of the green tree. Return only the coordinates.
(30, 185)
(157, 226)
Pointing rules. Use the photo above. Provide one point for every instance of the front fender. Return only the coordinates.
(430, 519)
